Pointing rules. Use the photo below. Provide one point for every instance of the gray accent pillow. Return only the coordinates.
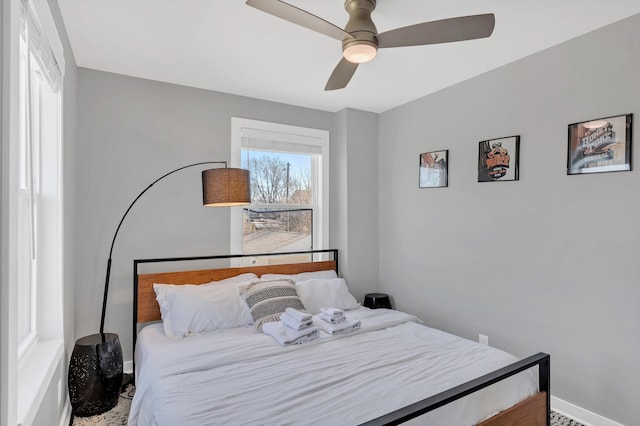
(268, 299)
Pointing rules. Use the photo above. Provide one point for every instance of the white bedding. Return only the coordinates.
(242, 377)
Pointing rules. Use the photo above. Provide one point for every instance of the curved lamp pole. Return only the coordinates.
(95, 368)
(230, 185)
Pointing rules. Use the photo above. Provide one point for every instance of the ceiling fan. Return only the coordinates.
(360, 38)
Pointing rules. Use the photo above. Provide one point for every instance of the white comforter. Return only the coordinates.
(241, 377)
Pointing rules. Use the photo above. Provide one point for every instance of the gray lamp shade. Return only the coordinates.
(225, 187)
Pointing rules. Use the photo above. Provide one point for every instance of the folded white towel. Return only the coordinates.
(290, 321)
(330, 319)
(342, 328)
(297, 315)
(287, 335)
(332, 312)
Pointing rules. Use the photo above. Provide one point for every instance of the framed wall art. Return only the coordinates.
(602, 145)
(498, 159)
(433, 169)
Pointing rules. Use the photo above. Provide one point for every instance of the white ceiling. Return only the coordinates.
(226, 46)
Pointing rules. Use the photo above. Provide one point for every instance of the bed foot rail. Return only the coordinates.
(416, 409)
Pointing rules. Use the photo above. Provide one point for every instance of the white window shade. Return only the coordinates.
(259, 144)
(37, 23)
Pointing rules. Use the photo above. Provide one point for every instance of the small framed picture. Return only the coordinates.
(433, 169)
(498, 159)
(602, 145)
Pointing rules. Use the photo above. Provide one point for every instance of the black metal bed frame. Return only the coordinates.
(541, 360)
(416, 409)
(136, 262)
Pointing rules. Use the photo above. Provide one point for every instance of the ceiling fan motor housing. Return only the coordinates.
(360, 25)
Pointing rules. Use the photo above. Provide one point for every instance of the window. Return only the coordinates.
(32, 335)
(289, 170)
(38, 183)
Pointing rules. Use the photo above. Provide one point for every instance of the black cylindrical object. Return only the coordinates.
(377, 300)
(95, 374)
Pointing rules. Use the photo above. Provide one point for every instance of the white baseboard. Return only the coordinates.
(128, 367)
(65, 418)
(579, 414)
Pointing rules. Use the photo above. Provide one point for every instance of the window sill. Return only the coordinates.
(35, 373)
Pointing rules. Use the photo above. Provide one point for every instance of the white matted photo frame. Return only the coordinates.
(601, 145)
(498, 159)
(433, 170)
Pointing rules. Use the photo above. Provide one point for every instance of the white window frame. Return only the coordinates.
(264, 130)
(27, 372)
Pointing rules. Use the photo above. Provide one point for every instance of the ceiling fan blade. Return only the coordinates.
(442, 31)
(341, 75)
(298, 16)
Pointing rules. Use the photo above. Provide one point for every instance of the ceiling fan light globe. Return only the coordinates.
(360, 53)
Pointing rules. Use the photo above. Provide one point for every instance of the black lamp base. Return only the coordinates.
(95, 374)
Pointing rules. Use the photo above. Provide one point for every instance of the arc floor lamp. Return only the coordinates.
(95, 368)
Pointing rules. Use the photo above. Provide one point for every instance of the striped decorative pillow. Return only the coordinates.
(267, 300)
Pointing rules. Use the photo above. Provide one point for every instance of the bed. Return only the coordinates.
(393, 369)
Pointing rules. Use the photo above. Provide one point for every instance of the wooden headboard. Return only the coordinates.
(146, 307)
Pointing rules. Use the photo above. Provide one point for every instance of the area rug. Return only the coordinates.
(117, 416)
(120, 413)
(558, 419)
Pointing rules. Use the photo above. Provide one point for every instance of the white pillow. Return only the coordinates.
(302, 276)
(241, 280)
(332, 293)
(194, 309)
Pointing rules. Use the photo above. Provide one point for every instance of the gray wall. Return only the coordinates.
(355, 157)
(339, 193)
(130, 132)
(548, 263)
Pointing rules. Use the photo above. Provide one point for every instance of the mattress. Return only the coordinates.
(242, 377)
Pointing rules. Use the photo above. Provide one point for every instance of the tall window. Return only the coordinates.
(39, 203)
(32, 342)
(289, 168)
